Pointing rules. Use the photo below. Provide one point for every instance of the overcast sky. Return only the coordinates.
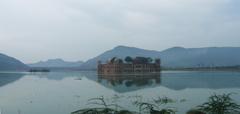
(33, 30)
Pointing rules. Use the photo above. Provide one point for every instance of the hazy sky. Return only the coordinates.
(33, 30)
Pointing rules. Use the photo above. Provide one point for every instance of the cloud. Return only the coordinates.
(33, 30)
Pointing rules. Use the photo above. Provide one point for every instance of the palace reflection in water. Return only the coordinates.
(125, 83)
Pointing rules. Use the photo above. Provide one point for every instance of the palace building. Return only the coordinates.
(138, 65)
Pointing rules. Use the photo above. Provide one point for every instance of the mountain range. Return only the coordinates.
(56, 63)
(176, 57)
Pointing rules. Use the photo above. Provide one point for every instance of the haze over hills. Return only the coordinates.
(56, 63)
(176, 56)
(8, 63)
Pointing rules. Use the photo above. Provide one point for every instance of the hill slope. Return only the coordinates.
(201, 57)
(9, 63)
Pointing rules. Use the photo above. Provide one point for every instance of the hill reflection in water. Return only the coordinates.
(8, 78)
(180, 80)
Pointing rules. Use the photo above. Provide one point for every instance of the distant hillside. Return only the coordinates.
(11, 64)
(176, 56)
(201, 57)
(56, 63)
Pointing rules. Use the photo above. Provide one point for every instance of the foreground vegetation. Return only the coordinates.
(220, 104)
(216, 104)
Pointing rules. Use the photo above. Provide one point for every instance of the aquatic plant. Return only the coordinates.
(104, 107)
(220, 104)
(101, 101)
(155, 106)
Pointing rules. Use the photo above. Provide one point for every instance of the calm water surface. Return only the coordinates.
(65, 92)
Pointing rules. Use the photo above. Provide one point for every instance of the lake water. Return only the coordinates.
(65, 92)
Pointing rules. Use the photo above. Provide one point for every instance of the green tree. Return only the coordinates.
(129, 59)
(150, 60)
